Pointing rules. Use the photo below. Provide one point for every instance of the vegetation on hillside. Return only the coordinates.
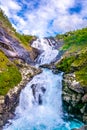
(4, 21)
(9, 74)
(75, 56)
(23, 39)
(74, 41)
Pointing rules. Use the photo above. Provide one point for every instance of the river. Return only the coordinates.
(40, 104)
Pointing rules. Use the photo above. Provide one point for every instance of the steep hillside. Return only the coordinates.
(74, 64)
(14, 48)
(15, 56)
(23, 39)
(9, 74)
(75, 54)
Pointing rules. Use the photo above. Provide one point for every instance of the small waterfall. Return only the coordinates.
(40, 105)
(49, 53)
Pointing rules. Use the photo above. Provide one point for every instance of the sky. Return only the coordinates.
(46, 17)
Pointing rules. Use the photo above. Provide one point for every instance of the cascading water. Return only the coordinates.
(40, 105)
(49, 53)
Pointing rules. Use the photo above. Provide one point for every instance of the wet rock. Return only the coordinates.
(38, 90)
(43, 89)
(39, 99)
(34, 53)
(7, 100)
(82, 128)
(33, 86)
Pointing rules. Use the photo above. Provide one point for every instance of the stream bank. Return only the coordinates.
(9, 102)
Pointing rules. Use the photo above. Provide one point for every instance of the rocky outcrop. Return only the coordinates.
(34, 53)
(10, 101)
(74, 97)
(82, 128)
(38, 90)
(13, 49)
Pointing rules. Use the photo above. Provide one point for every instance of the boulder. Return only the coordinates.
(38, 90)
(74, 97)
(84, 98)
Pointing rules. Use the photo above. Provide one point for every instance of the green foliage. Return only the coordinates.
(4, 21)
(65, 64)
(74, 39)
(81, 59)
(9, 74)
(24, 39)
(75, 59)
(81, 76)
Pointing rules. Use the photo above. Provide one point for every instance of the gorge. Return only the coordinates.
(55, 71)
(40, 104)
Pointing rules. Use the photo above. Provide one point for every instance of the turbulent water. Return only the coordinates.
(40, 105)
(49, 53)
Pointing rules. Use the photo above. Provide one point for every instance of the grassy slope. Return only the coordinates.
(9, 73)
(75, 56)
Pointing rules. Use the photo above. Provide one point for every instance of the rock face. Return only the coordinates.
(13, 49)
(10, 101)
(74, 97)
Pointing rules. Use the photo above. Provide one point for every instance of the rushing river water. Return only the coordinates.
(40, 105)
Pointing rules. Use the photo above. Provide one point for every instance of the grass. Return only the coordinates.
(9, 74)
(75, 56)
(65, 64)
(81, 76)
(74, 41)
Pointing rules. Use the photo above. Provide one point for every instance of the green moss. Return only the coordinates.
(65, 64)
(9, 74)
(24, 39)
(81, 76)
(81, 60)
(79, 106)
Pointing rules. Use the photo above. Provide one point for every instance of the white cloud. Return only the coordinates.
(10, 7)
(49, 17)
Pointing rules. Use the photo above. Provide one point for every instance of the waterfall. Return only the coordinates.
(49, 53)
(40, 104)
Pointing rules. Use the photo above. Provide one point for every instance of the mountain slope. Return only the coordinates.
(75, 54)
(74, 64)
(14, 49)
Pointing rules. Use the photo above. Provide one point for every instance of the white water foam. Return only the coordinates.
(48, 54)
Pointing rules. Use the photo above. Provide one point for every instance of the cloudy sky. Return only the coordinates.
(46, 17)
